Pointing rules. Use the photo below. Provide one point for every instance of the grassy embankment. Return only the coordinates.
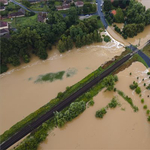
(146, 50)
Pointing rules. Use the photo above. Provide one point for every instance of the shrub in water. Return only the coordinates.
(138, 90)
(100, 113)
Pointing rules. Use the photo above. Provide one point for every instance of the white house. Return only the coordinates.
(5, 2)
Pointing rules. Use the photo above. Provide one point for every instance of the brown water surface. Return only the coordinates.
(20, 96)
(117, 130)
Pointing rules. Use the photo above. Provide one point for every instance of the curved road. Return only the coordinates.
(100, 13)
(19, 4)
(29, 128)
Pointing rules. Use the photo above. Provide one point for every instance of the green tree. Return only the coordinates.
(42, 53)
(107, 5)
(147, 16)
(73, 15)
(26, 3)
(61, 46)
(14, 60)
(78, 41)
(69, 43)
(84, 40)
(135, 13)
(119, 17)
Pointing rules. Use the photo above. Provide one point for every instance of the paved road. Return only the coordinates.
(145, 57)
(100, 13)
(13, 1)
(20, 5)
(32, 126)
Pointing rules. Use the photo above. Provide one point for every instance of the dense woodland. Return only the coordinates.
(132, 13)
(39, 37)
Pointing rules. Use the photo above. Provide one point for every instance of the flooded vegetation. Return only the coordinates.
(55, 76)
(116, 111)
(121, 128)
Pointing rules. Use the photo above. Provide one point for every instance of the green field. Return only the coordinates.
(38, 8)
(58, 3)
(22, 21)
(146, 50)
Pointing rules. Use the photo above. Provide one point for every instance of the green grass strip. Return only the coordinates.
(128, 99)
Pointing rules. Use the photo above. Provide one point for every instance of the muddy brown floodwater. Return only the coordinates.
(138, 40)
(20, 96)
(119, 129)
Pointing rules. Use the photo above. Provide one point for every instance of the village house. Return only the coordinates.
(34, 1)
(64, 6)
(113, 12)
(20, 13)
(4, 28)
(79, 4)
(42, 17)
(2, 8)
(5, 2)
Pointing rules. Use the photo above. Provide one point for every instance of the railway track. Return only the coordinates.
(32, 126)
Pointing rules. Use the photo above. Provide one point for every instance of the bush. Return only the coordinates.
(142, 100)
(138, 90)
(148, 73)
(113, 103)
(91, 103)
(115, 78)
(148, 87)
(73, 111)
(100, 113)
(3, 68)
(148, 111)
(148, 119)
(145, 106)
(134, 85)
(60, 94)
(129, 100)
(107, 38)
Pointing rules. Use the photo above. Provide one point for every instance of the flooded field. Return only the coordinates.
(121, 128)
(20, 95)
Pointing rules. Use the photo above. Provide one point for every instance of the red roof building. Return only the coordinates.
(113, 12)
(79, 4)
(3, 25)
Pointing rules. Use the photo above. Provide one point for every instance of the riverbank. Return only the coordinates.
(138, 40)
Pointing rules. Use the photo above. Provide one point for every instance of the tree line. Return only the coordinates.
(135, 16)
(84, 33)
(39, 37)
